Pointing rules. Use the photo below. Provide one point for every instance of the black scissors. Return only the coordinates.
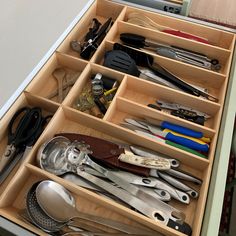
(23, 130)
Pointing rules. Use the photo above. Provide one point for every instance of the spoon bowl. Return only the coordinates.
(52, 196)
(51, 155)
(58, 203)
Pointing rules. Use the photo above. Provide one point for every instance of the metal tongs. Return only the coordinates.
(172, 52)
(145, 60)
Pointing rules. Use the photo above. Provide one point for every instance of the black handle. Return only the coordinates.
(183, 228)
(134, 40)
(100, 105)
(160, 71)
(91, 46)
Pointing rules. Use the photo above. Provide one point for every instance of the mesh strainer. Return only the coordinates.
(38, 216)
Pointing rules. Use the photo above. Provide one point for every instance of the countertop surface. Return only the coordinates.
(28, 29)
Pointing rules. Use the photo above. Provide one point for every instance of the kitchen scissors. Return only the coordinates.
(24, 129)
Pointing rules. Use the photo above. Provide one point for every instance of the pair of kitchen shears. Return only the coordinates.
(24, 129)
(193, 142)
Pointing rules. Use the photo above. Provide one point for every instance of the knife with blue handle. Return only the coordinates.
(185, 141)
(177, 128)
(146, 133)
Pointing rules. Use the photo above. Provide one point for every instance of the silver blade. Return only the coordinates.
(149, 75)
(158, 193)
(145, 134)
(135, 123)
(125, 196)
(164, 210)
(184, 176)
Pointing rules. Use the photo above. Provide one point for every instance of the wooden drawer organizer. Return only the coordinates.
(130, 100)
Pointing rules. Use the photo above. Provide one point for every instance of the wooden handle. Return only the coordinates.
(152, 163)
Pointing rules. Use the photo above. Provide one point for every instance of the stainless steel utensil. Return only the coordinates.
(77, 156)
(157, 193)
(176, 183)
(52, 196)
(153, 183)
(71, 158)
(38, 216)
(183, 175)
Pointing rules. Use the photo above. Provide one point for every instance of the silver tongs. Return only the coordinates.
(172, 52)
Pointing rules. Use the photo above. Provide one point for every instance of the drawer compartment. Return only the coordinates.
(25, 100)
(130, 100)
(143, 93)
(83, 97)
(98, 11)
(59, 67)
(215, 83)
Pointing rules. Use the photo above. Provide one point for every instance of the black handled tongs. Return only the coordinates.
(170, 51)
(146, 60)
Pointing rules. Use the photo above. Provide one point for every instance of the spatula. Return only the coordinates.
(146, 60)
(121, 61)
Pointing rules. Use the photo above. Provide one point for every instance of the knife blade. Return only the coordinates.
(165, 209)
(184, 176)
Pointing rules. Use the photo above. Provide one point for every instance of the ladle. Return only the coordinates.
(52, 196)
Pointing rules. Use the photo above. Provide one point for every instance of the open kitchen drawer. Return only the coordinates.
(130, 101)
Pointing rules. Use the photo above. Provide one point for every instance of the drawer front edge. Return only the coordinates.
(219, 172)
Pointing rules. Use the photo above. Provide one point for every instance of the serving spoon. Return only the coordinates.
(52, 196)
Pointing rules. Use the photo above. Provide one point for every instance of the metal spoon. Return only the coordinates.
(52, 196)
(38, 216)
